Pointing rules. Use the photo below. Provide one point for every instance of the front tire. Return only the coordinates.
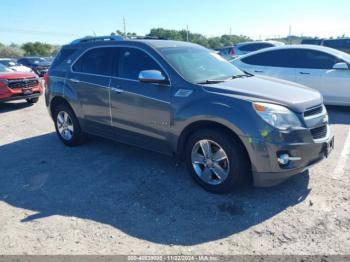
(216, 160)
(67, 126)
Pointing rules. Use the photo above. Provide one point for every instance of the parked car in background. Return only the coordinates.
(39, 65)
(12, 64)
(49, 59)
(342, 44)
(180, 98)
(19, 86)
(322, 68)
(312, 41)
(245, 48)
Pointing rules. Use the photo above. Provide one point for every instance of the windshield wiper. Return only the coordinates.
(207, 82)
(213, 81)
(240, 76)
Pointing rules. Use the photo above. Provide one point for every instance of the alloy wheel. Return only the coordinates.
(65, 125)
(210, 162)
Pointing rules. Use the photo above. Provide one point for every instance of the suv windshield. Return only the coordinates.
(199, 65)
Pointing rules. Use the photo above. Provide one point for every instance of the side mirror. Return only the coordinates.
(341, 66)
(152, 76)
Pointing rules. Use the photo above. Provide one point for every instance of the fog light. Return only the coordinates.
(284, 159)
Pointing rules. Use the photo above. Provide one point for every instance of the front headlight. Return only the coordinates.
(3, 82)
(277, 116)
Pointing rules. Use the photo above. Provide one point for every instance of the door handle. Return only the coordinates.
(258, 71)
(304, 73)
(117, 90)
(74, 80)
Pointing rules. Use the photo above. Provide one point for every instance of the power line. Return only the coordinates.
(36, 32)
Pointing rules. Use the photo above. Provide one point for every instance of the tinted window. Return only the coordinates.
(62, 56)
(278, 58)
(254, 47)
(23, 61)
(311, 41)
(96, 61)
(337, 43)
(133, 61)
(315, 59)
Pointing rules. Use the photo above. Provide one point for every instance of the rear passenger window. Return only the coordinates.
(62, 56)
(278, 58)
(133, 61)
(96, 61)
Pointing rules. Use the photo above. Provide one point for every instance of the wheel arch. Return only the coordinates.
(207, 124)
(57, 100)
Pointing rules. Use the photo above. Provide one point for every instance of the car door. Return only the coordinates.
(315, 69)
(141, 112)
(276, 63)
(90, 79)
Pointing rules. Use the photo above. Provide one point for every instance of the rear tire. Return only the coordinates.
(32, 100)
(222, 170)
(67, 126)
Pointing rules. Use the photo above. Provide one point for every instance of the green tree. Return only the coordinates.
(37, 49)
(129, 34)
(166, 34)
(213, 42)
(10, 51)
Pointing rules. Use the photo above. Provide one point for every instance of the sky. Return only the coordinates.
(61, 21)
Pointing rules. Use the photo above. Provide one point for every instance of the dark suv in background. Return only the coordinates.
(342, 44)
(39, 65)
(180, 98)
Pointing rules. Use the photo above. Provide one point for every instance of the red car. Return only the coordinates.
(19, 85)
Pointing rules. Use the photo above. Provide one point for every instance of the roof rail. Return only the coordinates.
(147, 37)
(93, 39)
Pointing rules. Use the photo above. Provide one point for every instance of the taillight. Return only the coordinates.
(46, 80)
(232, 51)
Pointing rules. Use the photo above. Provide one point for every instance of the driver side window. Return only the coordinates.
(313, 59)
(132, 61)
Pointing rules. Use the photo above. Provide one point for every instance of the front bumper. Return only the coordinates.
(8, 94)
(15, 98)
(267, 171)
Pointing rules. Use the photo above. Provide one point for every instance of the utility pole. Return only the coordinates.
(124, 24)
(290, 34)
(187, 33)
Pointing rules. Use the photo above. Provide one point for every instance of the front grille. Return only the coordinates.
(319, 132)
(22, 95)
(23, 83)
(313, 111)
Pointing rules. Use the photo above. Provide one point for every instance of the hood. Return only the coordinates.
(294, 96)
(21, 68)
(17, 75)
